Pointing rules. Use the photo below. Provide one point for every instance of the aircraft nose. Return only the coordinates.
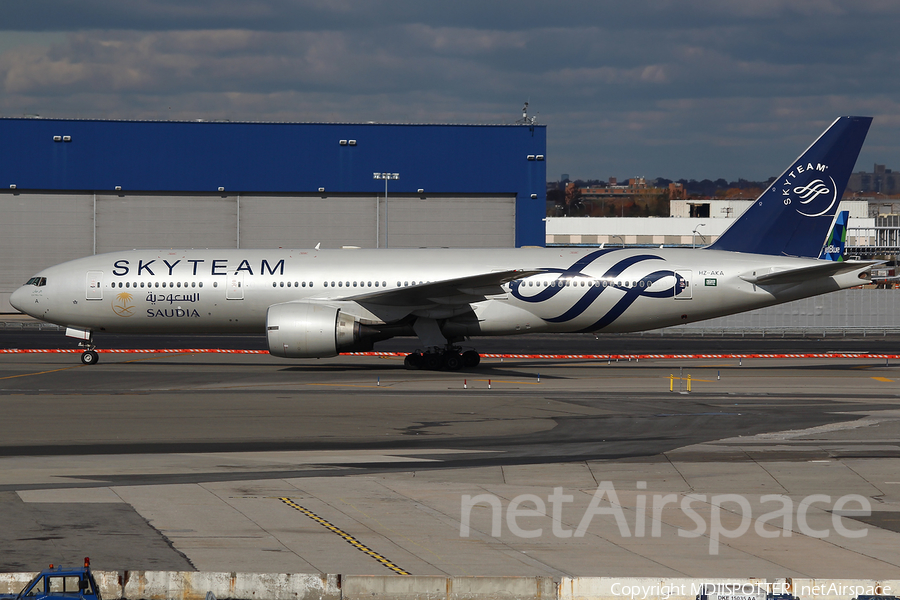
(17, 299)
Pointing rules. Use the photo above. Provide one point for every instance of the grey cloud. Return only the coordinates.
(275, 15)
(691, 88)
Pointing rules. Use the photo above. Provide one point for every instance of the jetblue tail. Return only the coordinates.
(793, 216)
(837, 239)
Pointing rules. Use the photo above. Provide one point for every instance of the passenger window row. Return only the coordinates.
(586, 283)
(193, 284)
(40, 281)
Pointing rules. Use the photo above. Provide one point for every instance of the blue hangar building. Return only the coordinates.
(71, 188)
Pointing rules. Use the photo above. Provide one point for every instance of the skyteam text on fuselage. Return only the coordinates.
(317, 303)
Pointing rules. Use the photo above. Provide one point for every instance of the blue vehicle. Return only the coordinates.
(58, 583)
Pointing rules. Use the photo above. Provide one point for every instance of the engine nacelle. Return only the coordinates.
(305, 330)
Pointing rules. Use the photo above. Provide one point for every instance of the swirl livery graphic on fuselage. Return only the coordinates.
(609, 281)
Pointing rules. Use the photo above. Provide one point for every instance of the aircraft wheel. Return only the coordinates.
(470, 359)
(90, 357)
(413, 361)
(453, 361)
(431, 361)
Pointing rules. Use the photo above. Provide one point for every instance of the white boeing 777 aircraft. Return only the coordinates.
(318, 303)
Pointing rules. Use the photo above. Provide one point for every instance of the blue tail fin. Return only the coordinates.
(793, 216)
(837, 239)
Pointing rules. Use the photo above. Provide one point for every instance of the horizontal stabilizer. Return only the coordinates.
(799, 275)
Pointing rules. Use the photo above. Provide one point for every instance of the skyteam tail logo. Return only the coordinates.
(815, 198)
(837, 238)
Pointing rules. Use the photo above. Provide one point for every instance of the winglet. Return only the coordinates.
(792, 217)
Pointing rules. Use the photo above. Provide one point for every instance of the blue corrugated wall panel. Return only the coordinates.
(161, 156)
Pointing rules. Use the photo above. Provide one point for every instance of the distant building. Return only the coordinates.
(879, 204)
(880, 180)
(716, 208)
(866, 236)
(636, 186)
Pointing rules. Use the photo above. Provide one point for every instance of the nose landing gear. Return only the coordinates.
(89, 356)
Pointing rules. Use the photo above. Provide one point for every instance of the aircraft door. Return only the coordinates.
(235, 290)
(94, 286)
(683, 285)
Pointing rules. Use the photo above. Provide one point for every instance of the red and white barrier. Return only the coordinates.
(606, 357)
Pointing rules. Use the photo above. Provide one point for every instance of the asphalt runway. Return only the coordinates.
(183, 461)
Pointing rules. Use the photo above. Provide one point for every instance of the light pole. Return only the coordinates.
(386, 177)
(695, 233)
(620, 237)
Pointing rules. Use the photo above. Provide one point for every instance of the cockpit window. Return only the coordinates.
(37, 281)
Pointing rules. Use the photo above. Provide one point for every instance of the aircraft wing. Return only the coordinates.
(801, 274)
(461, 290)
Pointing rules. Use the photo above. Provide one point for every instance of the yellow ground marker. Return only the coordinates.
(885, 379)
(42, 372)
(347, 537)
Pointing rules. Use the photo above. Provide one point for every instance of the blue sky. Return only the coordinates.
(655, 88)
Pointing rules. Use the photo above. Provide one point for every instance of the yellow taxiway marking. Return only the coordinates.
(395, 532)
(885, 379)
(343, 385)
(42, 372)
(161, 356)
(346, 536)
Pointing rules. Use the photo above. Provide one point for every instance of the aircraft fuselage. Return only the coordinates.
(609, 290)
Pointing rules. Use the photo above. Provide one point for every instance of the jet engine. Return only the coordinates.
(305, 330)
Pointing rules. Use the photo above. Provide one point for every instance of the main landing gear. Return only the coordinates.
(440, 352)
(450, 359)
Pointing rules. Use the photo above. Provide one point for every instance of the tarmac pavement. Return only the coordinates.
(357, 466)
